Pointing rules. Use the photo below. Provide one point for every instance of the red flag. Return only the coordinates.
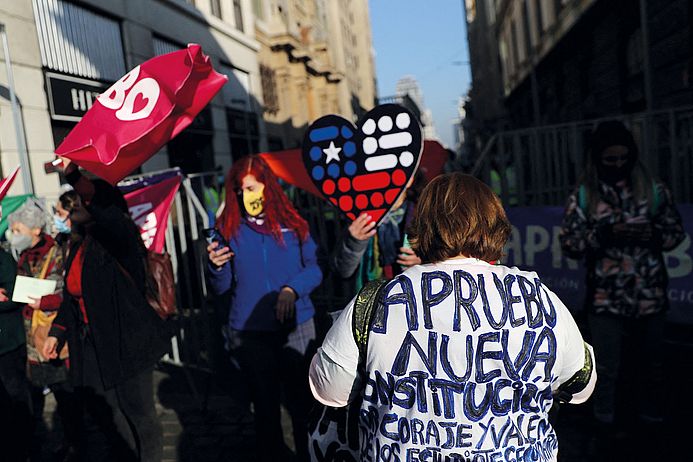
(6, 183)
(288, 165)
(149, 208)
(433, 159)
(141, 112)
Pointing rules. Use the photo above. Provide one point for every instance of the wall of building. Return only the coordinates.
(567, 60)
(318, 60)
(227, 37)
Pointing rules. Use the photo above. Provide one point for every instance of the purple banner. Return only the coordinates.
(534, 245)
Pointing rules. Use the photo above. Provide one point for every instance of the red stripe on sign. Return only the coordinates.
(370, 181)
(391, 195)
(377, 214)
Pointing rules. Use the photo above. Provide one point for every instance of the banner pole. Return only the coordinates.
(20, 133)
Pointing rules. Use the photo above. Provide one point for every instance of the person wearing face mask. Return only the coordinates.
(39, 256)
(270, 268)
(62, 224)
(115, 337)
(16, 421)
(620, 220)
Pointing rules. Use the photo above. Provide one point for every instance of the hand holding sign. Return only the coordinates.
(363, 228)
(141, 112)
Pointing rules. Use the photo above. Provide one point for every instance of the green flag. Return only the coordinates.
(9, 205)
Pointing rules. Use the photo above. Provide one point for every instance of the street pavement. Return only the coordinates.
(206, 418)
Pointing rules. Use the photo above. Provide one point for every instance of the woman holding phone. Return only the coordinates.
(267, 260)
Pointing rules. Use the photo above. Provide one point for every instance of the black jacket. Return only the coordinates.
(128, 335)
(12, 334)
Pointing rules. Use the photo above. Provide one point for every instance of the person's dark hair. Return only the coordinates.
(614, 133)
(69, 199)
(106, 195)
(458, 215)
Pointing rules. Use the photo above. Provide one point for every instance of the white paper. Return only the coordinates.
(25, 287)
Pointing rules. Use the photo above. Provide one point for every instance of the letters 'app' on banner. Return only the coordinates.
(150, 207)
(141, 112)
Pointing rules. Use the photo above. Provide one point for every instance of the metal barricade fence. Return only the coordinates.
(542, 165)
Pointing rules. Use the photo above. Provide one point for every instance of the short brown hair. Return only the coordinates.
(458, 215)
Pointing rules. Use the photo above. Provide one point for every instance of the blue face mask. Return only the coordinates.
(61, 225)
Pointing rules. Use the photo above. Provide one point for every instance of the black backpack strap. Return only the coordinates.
(365, 307)
(578, 381)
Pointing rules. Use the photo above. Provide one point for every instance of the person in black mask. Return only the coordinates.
(620, 220)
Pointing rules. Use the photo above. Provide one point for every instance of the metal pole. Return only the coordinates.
(17, 117)
(644, 28)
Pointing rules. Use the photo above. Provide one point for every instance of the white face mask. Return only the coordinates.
(20, 242)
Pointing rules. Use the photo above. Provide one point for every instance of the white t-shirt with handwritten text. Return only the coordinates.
(462, 363)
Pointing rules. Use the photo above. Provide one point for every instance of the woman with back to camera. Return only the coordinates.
(271, 268)
(115, 337)
(462, 358)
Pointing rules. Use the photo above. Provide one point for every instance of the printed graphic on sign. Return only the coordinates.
(364, 168)
(149, 208)
(141, 112)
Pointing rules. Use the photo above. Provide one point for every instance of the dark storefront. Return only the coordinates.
(244, 132)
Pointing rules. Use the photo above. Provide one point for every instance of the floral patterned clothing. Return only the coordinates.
(623, 278)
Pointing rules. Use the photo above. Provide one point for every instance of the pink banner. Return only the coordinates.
(141, 112)
(150, 207)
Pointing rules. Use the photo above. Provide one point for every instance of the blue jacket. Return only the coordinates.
(260, 268)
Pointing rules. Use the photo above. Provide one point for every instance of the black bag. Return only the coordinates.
(333, 430)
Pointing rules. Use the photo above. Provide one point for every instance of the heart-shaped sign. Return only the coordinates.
(365, 168)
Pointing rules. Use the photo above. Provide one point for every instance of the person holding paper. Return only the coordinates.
(40, 258)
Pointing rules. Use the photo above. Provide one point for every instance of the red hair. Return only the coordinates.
(279, 211)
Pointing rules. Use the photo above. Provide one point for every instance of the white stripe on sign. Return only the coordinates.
(381, 162)
(370, 145)
(395, 140)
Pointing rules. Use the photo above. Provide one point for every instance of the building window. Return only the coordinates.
(238, 14)
(527, 30)
(68, 45)
(163, 46)
(215, 5)
(515, 45)
(259, 9)
(269, 89)
(539, 16)
(244, 133)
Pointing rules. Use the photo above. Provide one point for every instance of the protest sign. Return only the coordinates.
(141, 112)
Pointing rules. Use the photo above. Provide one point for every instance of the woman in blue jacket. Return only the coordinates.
(270, 268)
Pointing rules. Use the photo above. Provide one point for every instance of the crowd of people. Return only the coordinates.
(443, 354)
(94, 342)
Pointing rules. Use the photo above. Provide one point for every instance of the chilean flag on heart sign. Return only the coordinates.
(141, 112)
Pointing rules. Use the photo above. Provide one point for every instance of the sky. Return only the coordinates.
(426, 39)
